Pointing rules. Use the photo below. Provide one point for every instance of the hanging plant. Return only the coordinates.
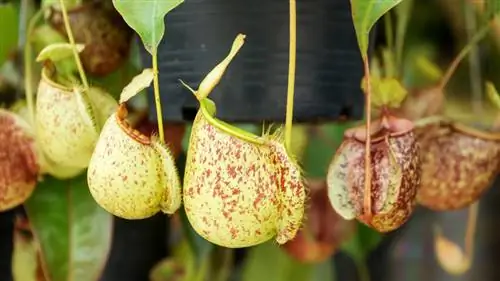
(68, 116)
(375, 173)
(19, 163)
(261, 176)
(459, 161)
(95, 24)
(133, 175)
(239, 189)
(395, 168)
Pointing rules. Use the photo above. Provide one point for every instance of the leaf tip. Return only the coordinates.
(492, 93)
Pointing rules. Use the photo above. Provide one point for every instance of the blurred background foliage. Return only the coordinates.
(437, 30)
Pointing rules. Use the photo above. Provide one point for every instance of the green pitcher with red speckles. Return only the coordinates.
(239, 189)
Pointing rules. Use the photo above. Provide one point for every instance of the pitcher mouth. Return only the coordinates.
(477, 131)
(208, 109)
(120, 116)
(47, 78)
(380, 129)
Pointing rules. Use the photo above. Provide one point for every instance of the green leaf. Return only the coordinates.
(167, 269)
(362, 243)
(9, 25)
(427, 67)
(365, 13)
(268, 262)
(492, 93)
(73, 231)
(386, 92)
(492, 8)
(146, 17)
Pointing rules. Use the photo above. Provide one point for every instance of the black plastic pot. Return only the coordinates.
(199, 34)
(6, 244)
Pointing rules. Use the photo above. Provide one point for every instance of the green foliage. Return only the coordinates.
(386, 92)
(146, 18)
(365, 13)
(321, 147)
(492, 93)
(268, 262)
(428, 68)
(73, 231)
(361, 244)
(9, 28)
(492, 8)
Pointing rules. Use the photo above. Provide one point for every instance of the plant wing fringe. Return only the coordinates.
(272, 134)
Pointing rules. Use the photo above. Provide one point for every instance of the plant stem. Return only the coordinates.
(454, 65)
(28, 75)
(291, 75)
(363, 272)
(156, 86)
(474, 64)
(226, 265)
(471, 230)
(389, 31)
(403, 18)
(203, 269)
(367, 202)
(83, 77)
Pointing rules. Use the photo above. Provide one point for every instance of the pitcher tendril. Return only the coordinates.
(452, 259)
(471, 230)
(367, 203)
(291, 75)
(156, 87)
(78, 61)
(28, 75)
(463, 53)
